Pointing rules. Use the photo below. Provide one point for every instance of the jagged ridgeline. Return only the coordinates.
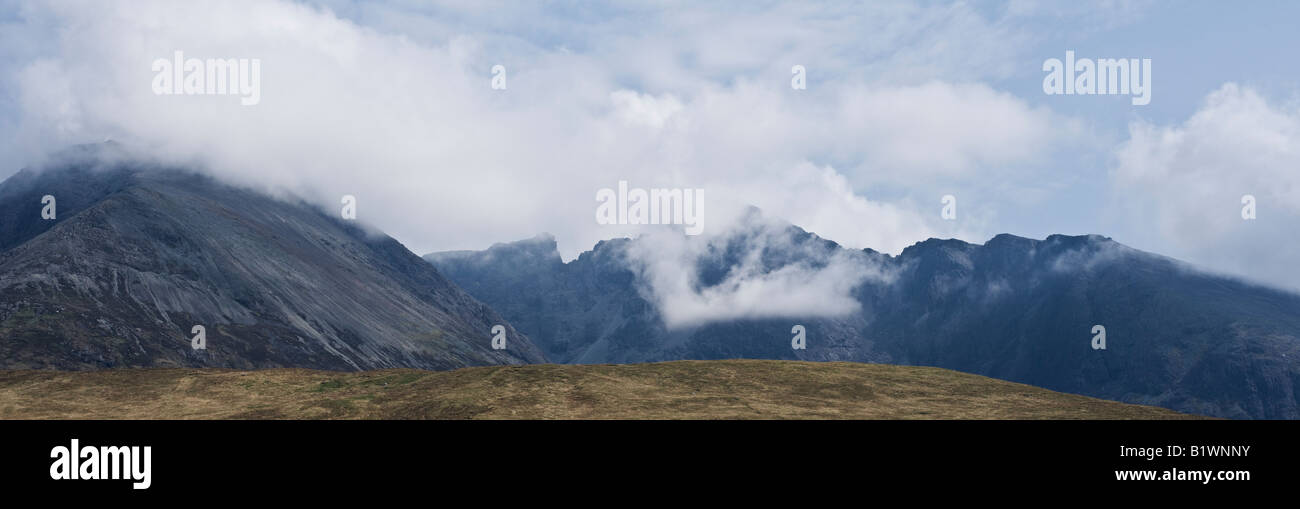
(1013, 308)
(137, 255)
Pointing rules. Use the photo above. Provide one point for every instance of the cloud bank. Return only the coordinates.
(401, 114)
(1184, 183)
(391, 102)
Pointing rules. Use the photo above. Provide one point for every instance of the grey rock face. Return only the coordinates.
(138, 256)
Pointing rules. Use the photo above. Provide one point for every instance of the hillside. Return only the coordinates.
(730, 389)
(140, 254)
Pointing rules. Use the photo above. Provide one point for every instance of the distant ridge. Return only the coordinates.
(1013, 308)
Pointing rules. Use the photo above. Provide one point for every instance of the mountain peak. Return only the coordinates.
(533, 252)
(1007, 237)
(1090, 238)
(139, 255)
(935, 244)
(541, 244)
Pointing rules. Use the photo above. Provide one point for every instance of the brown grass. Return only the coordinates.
(733, 389)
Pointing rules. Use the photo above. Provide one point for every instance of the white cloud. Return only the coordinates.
(1182, 186)
(644, 109)
(410, 126)
(817, 280)
(400, 114)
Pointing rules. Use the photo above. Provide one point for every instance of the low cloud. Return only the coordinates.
(402, 116)
(754, 268)
(1181, 186)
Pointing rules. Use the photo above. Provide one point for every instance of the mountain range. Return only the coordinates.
(1013, 308)
(138, 254)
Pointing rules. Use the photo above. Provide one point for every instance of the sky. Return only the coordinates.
(905, 102)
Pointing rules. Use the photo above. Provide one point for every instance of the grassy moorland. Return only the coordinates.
(731, 389)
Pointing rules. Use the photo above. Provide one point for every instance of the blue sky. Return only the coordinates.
(906, 102)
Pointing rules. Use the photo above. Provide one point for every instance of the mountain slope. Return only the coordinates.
(140, 255)
(737, 389)
(1014, 308)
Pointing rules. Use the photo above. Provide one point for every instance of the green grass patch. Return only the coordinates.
(330, 385)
